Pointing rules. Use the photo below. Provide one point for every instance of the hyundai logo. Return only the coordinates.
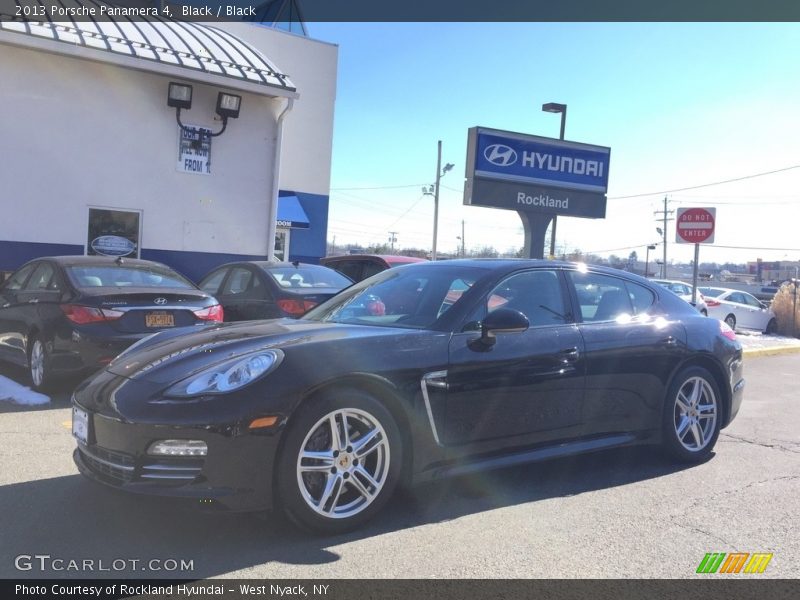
(160, 300)
(500, 155)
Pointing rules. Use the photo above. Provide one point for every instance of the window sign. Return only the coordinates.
(113, 233)
(194, 150)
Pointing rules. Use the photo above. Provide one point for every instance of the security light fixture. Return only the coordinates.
(179, 95)
(228, 105)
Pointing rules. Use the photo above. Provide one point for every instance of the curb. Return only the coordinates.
(774, 351)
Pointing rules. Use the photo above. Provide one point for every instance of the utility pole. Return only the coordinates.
(433, 190)
(463, 249)
(665, 218)
(393, 238)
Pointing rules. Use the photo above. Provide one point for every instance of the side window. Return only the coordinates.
(641, 298)
(40, 278)
(602, 298)
(737, 297)
(536, 294)
(372, 268)
(751, 301)
(238, 282)
(350, 268)
(211, 284)
(16, 282)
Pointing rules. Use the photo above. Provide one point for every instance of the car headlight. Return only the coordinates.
(227, 376)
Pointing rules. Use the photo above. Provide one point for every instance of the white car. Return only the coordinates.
(739, 309)
(684, 290)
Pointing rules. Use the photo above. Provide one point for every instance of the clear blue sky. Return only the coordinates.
(679, 105)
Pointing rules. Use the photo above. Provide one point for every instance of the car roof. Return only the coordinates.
(75, 260)
(266, 264)
(396, 258)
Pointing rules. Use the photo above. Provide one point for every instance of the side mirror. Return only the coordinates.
(502, 320)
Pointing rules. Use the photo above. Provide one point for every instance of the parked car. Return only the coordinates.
(324, 415)
(66, 315)
(739, 309)
(360, 266)
(268, 290)
(684, 291)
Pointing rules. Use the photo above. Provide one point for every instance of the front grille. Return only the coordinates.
(166, 470)
(115, 467)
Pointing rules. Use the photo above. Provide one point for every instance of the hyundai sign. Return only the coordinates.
(535, 174)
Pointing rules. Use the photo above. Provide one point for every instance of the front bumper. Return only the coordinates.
(236, 474)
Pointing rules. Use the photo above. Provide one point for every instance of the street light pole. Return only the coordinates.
(554, 107)
(647, 259)
(436, 200)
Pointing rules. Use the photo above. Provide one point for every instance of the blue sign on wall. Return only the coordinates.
(536, 174)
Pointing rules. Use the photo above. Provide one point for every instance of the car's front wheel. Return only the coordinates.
(340, 462)
(692, 415)
(772, 327)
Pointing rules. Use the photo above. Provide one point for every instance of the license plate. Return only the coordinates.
(80, 425)
(159, 319)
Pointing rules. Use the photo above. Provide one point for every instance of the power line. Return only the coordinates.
(379, 187)
(703, 185)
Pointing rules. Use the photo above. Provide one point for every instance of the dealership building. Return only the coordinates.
(184, 143)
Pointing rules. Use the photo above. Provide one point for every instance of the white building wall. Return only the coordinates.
(308, 129)
(77, 133)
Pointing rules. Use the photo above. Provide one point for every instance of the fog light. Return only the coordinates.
(178, 448)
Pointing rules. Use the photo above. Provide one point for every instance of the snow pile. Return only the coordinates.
(19, 394)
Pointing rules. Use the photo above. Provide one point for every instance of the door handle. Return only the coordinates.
(33, 301)
(669, 341)
(570, 355)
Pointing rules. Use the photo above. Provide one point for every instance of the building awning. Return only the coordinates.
(154, 43)
(291, 214)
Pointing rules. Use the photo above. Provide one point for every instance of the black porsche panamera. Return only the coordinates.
(421, 372)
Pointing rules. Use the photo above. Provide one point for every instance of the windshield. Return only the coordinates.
(409, 297)
(711, 292)
(307, 276)
(89, 276)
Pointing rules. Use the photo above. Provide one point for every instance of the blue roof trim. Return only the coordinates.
(291, 213)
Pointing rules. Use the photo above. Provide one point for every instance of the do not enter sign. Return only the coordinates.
(695, 225)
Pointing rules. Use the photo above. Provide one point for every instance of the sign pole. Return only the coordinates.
(694, 273)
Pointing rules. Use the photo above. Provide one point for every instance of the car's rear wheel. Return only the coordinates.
(692, 415)
(731, 321)
(340, 462)
(704, 312)
(39, 367)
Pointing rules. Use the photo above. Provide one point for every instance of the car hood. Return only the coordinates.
(176, 354)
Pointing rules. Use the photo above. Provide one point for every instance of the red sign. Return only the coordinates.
(695, 225)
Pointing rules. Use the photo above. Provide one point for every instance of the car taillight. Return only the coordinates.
(710, 302)
(726, 331)
(295, 308)
(212, 313)
(81, 315)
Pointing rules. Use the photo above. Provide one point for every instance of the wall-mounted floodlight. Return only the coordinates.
(179, 96)
(228, 105)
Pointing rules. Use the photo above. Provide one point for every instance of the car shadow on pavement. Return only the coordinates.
(73, 519)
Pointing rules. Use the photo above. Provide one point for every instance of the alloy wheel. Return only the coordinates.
(37, 363)
(695, 414)
(343, 463)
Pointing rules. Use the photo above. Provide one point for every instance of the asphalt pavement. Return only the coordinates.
(622, 513)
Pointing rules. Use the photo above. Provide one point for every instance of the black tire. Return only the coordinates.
(300, 493)
(40, 369)
(772, 327)
(704, 312)
(731, 321)
(694, 423)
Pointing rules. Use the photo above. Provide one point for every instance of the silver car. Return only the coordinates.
(739, 309)
(684, 290)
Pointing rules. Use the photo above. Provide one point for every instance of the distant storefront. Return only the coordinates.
(95, 161)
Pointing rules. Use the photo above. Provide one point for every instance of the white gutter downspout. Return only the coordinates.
(272, 217)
